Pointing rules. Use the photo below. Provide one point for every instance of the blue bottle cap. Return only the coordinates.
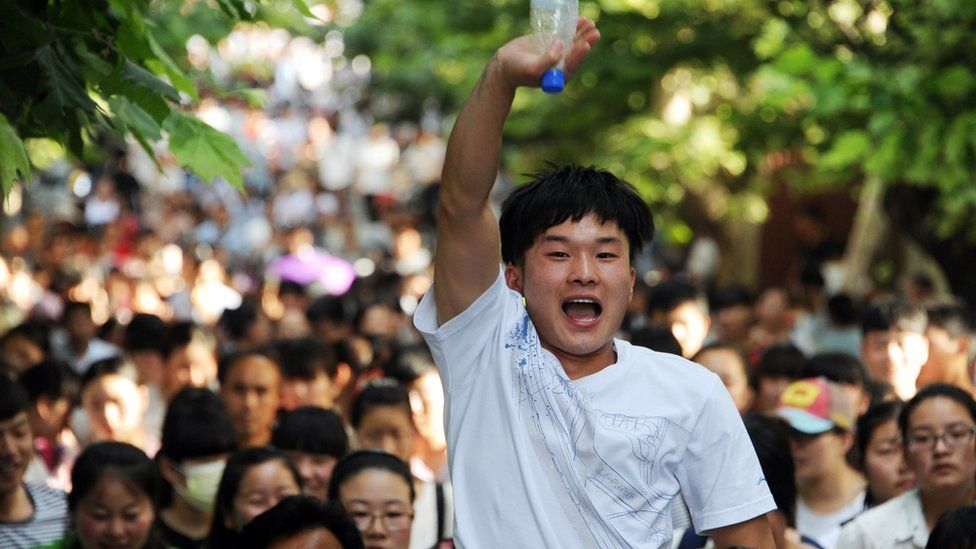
(553, 81)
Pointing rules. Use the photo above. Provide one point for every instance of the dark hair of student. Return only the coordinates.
(378, 393)
(569, 193)
(951, 392)
(781, 359)
(13, 399)
(105, 367)
(951, 317)
(298, 514)
(196, 426)
(365, 460)
(836, 367)
(955, 529)
(51, 379)
(656, 338)
(876, 416)
(770, 439)
(145, 332)
(36, 332)
(670, 294)
(304, 358)
(897, 313)
(312, 430)
(237, 466)
(123, 462)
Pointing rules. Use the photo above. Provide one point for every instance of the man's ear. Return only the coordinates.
(513, 278)
(342, 378)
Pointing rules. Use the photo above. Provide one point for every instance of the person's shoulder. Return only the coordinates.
(47, 499)
(884, 514)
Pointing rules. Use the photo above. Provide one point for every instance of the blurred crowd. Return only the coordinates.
(196, 366)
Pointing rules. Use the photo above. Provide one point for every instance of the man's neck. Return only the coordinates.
(15, 505)
(831, 492)
(935, 505)
(577, 367)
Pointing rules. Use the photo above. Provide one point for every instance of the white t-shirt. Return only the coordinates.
(538, 460)
(824, 528)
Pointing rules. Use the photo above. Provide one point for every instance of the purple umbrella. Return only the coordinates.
(335, 274)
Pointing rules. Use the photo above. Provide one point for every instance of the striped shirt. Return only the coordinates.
(48, 523)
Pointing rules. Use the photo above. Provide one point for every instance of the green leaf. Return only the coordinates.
(956, 82)
(848, 149)
(302, 8)
(135, 119)
(204, 150)
(66, 89)
(141, 77)
(166, 65)
(13, 157)
(255, 97)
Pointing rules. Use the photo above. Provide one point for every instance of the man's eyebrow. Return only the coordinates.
(608, 240)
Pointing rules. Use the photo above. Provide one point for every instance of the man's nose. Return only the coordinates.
(584, 271)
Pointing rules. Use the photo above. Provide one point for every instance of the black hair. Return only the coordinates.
(177, 336)
(331, 308)
(731, 296)
(75, 306)
(770, 438)
(37, 333)
(124, 462)
(13, 399)
(656, 338)
(196, 426)
(836, 367)
(145, 332)
(380, 393)
(562, 193)
(304, 358)
(239, 463)
(963, 398)
(363, 460)
(781, 359)
(105, 367)
(889, 313)
(953, 318)
(230, 360)
(669, 295)
(955, 529)
(291, 287)
(410, 363)
(51, 379)
(870, 420)
(298, 514)
(842, 310)
(312, 430)
(880, 391)
(236, 321)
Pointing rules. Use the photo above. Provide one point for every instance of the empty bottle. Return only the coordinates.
(554, 20)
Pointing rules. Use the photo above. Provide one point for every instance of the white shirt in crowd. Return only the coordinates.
(895, 524)
(539, 460)
(824, 528)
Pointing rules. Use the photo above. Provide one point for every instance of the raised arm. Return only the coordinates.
(468, 248)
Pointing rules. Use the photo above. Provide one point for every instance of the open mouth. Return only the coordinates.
(582, 309)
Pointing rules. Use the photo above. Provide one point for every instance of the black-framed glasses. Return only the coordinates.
(392, 521)
(954, 437)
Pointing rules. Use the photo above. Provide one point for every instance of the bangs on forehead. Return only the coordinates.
(570, 193)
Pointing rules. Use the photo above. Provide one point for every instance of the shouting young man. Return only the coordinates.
(560, 435)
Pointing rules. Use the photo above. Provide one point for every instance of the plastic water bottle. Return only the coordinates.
(554, 20)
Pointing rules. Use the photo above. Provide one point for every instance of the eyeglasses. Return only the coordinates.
(391, 521)
(952, 438)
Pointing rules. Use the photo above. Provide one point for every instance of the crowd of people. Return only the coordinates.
(187, 366)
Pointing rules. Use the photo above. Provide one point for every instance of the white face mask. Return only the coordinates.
(201, 484)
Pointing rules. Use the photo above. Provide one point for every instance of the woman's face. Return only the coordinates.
(113, 514)
(379, 503)
(884, 463)
(316, 471)
(387, 428)
(942, 465)
(261, 488)
(114, 405)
